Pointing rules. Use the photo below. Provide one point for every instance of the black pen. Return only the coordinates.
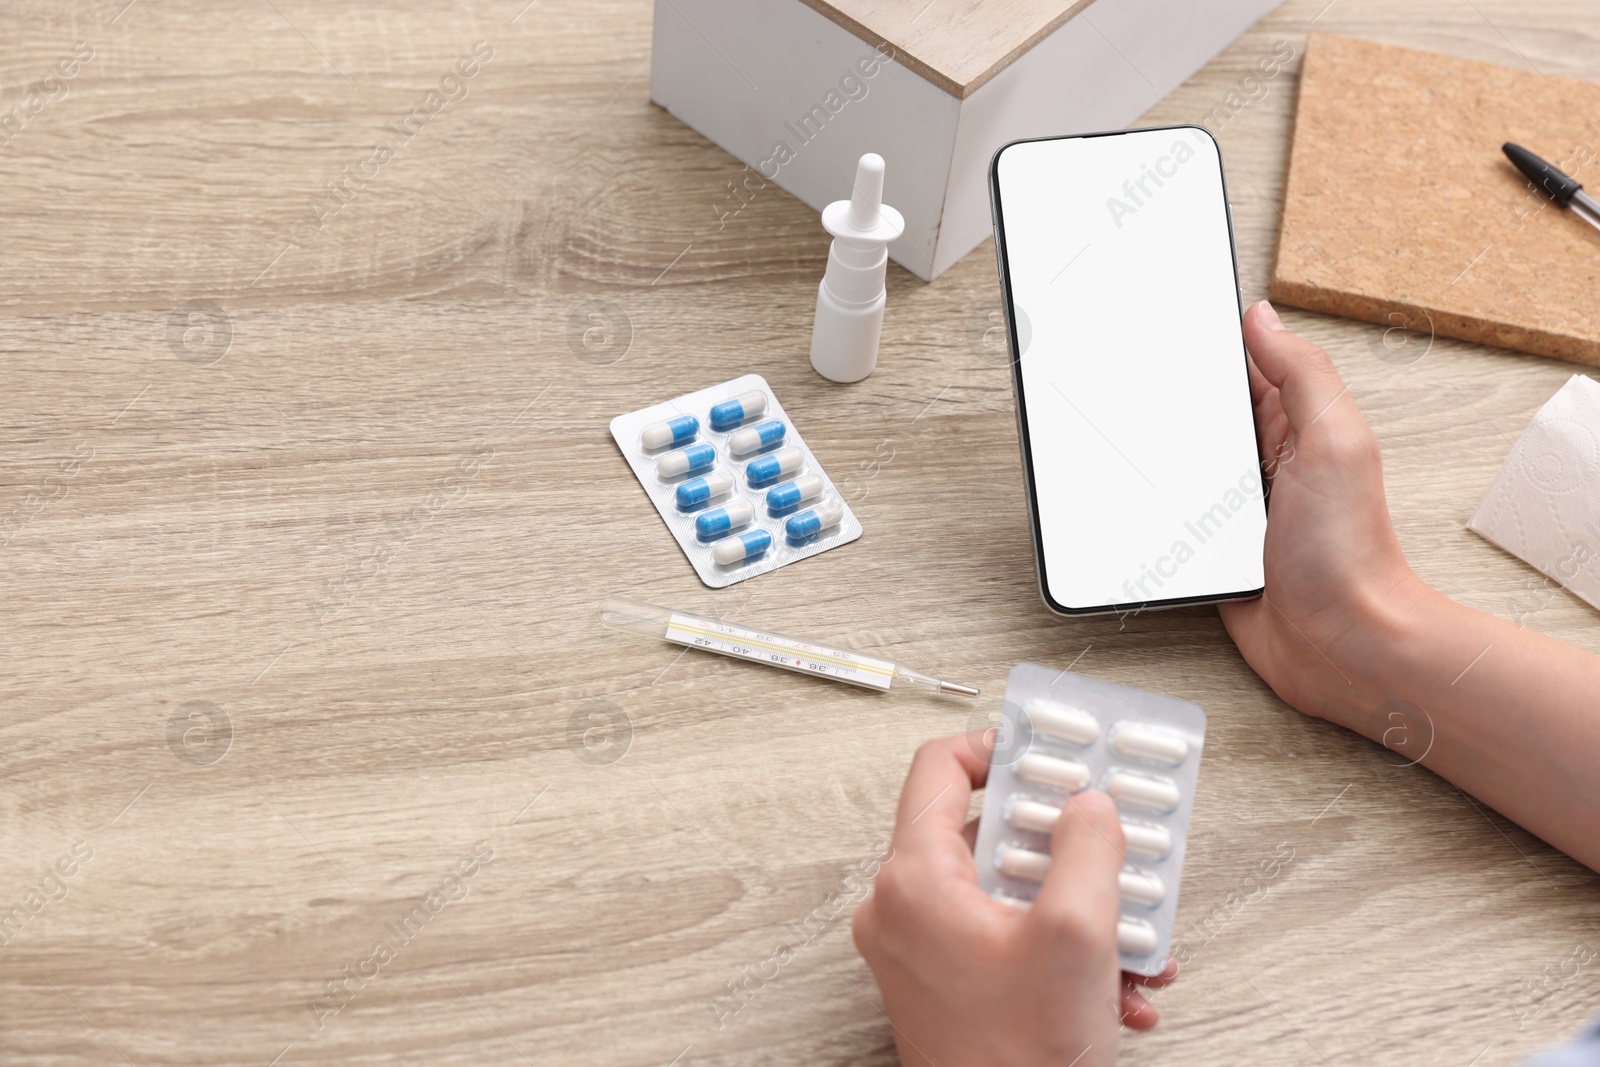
(1557, 186)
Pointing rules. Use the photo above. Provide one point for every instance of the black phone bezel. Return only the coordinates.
(1016, 378)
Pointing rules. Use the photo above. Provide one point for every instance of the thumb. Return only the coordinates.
(1305, 377)
(1086, 853)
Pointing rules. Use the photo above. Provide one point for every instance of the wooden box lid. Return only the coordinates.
(957, 45)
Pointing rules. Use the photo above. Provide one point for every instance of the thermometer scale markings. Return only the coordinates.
(750, 644)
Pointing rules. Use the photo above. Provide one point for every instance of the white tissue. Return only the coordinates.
(1544, 505)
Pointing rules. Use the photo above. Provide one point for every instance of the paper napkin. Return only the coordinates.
(1544, 505)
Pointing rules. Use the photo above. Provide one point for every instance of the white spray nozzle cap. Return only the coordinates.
(867, 196)
(864, 221)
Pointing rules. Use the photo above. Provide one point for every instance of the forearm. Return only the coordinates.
(1510, 716)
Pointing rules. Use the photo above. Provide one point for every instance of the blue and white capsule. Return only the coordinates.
(691, 460)
(755, 438)
(730, 413)
(824, 516)
(770, 468)
(781, 498)
(669, 434)
(720, 522)
(740, 547)
(697, 491)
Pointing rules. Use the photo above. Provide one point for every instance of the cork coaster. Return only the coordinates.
(1400, 208)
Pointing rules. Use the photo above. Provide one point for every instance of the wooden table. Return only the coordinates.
(310, 506)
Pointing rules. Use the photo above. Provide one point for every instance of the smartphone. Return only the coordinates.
(1139, 446)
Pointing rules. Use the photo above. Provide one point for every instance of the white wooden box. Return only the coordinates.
(799, 89)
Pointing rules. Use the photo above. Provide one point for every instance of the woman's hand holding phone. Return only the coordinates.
(1346, 631)
(1334, 566)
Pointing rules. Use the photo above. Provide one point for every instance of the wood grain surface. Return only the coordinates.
(1402, 210)
(309, 506)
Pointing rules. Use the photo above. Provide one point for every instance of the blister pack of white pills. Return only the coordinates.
(1062, 733)
(733, 481)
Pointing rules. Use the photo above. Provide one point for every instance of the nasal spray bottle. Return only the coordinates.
(844, 341)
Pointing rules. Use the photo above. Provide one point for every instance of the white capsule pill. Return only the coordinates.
(739, 547)
(697, 491)
(1142, 742)
(691, 460)
(825, 516)
(781, 498)
(1141, 887)
(1047, 770)
(764, 470)
(1135, 937)
(1031, 866)
(675, 431)
(1062, 720)
(735, 514)
(1147, 842)
(752, 438)
(1032, 815)
(1157, 794)
(730, 413)
(1024, 863)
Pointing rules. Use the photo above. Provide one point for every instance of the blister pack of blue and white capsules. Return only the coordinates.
(733, 481)
(1062, 733)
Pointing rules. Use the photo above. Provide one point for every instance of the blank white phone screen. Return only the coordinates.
(1132, 379)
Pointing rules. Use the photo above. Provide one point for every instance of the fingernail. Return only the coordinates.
(1269, 317)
